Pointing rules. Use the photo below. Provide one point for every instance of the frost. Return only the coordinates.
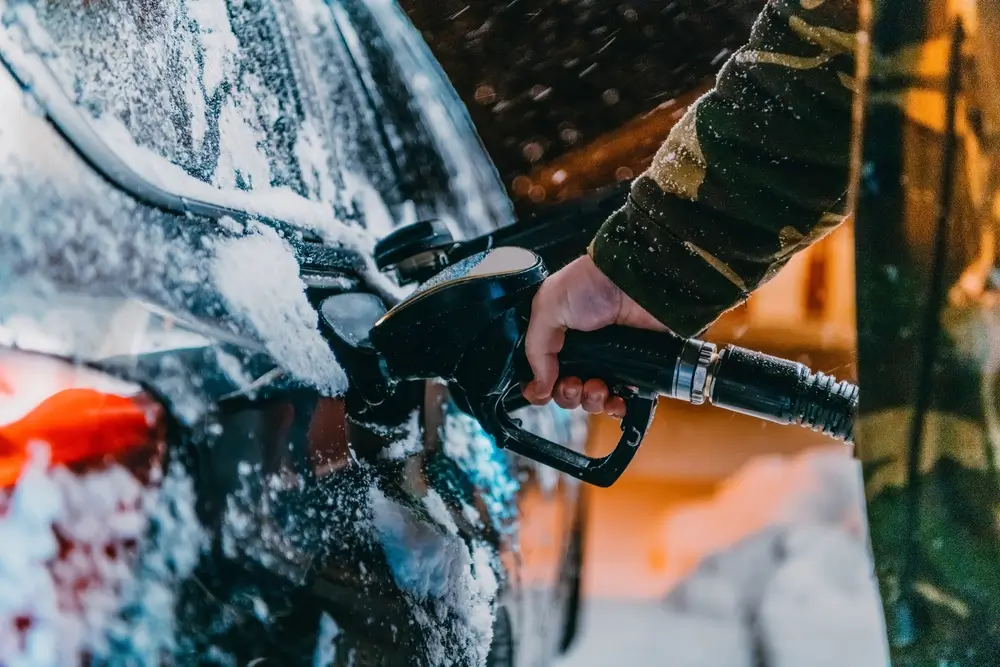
(124, 70)
(240, 159)
(219, 46)
(254, 527)
(439, 511)
(424, 562)
(313, 156)
(264, 201)
(326, 650)
(436, 567)
(475, 452)
(233, 369)
(471, 514)
(110, 589)
(258, 275)
(148, 628)
(261, 611)
(412, 443)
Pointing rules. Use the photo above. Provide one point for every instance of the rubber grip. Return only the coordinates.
(623, 355)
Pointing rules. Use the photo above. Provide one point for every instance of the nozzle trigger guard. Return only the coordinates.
(600, 471)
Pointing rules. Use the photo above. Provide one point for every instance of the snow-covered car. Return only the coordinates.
(184, 476)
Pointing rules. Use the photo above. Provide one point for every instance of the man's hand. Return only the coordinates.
(578, 297)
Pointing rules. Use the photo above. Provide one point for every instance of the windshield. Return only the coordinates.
(190, 82)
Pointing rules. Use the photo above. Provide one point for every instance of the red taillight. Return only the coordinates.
(84, 416)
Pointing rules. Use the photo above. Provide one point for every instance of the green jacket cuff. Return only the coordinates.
(661, 272)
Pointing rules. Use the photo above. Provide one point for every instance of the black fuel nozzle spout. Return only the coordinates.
(466, 325)
(783, 391)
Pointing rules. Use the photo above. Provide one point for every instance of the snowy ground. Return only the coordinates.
(790, 582)
(640, 633)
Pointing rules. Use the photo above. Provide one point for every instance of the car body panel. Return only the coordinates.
(326, 533)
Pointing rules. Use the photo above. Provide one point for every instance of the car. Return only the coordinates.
(185, 476)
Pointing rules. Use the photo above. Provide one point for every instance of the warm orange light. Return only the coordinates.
(765, 492)
(83, 416)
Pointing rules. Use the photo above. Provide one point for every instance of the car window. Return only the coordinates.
(207, 85)
(334, 103)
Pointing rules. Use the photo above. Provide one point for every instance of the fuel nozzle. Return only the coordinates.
(735, 378)
(466, 325)
(782, 391)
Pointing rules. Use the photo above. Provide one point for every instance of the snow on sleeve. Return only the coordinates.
(258, 275)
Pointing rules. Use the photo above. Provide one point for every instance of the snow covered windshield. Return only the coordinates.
(211, 87)
(191, 82)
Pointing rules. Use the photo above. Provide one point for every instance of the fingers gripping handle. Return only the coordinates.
(639, 365)
(636, 365)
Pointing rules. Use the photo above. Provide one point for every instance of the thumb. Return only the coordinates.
(542, 343)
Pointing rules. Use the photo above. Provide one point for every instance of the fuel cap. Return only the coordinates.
(414, 251)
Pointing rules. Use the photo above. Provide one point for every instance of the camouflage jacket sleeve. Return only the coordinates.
(756, 170)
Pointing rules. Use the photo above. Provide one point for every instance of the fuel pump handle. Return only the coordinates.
(467, 325)
(641, 365)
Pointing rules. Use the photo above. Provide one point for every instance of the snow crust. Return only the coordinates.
(489, 468)
(258, 276)
(326, 651)
(435, 566)
(799, 582)
(98, 560)
(412, 443)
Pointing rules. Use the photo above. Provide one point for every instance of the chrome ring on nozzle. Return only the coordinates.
(691, 371)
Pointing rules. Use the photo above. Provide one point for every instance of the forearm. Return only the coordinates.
(755, 171)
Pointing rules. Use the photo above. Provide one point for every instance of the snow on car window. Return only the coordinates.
(246, 100)
(206, 84)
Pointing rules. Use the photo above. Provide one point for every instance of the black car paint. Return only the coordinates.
(311, 549)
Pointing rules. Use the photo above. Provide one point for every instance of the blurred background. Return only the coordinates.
(571, 96)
